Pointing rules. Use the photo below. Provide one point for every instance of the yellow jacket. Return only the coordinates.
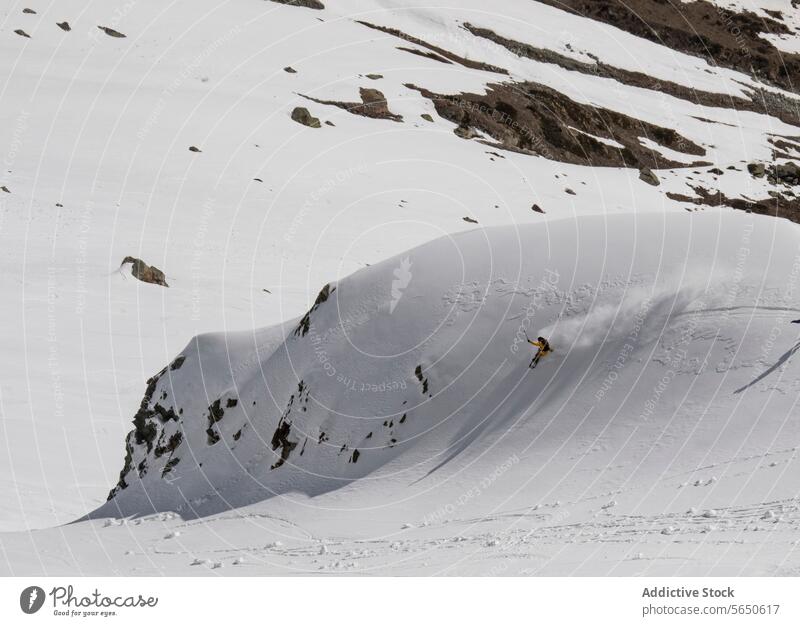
(542, 346)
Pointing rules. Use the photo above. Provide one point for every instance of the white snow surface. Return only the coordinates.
(671, 392)
(94, 142)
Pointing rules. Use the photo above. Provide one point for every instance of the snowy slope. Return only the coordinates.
(95, 139)
(660, 436)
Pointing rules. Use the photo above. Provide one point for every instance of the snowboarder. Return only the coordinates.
(543, 349)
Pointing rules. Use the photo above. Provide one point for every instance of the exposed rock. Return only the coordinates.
(280, 439)
(305, 324)
(64, 26)
(22, 33)
(289, 70)
(427, 55)
(777, 205)
(421, 378)
(760, 100)
(535, 119)
(29, 11)
(308, 4)
(144, 272)
(4, 188)
(302, 116)
(194, 149)
(787, 173)
(470, 220)
(757, 169)
(442, 54)
(465, 132)
(373, 104)
(427, 117)
(701, 28)
(111, 32)
(537, 208)
(374, 76)
(646, 174)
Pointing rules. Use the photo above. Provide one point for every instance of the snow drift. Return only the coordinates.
(671, 341)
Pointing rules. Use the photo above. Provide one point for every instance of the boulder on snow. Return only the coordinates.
(757, 169)
(111, 32)
(64, 26)
(787, 173)
(22, 33)
(302, 116)
(537, 208)
(308, 4)
(144, 272)
(647, 175)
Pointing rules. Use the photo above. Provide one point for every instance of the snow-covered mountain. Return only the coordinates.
(577, 173)
(397, 427)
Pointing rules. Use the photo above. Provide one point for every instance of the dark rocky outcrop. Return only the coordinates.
(700, 28)
(373, 104)
(308, 4)
(777, 205)
(439, 54)
(111, 32)
(305, 323)
(787, 174)
(760, 100)
(535, 119)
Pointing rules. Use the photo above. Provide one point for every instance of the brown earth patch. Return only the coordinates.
(535, 119)
(700, 28)
(786, 109)
(373, 104)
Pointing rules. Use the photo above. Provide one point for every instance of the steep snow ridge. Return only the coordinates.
(654, 319)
